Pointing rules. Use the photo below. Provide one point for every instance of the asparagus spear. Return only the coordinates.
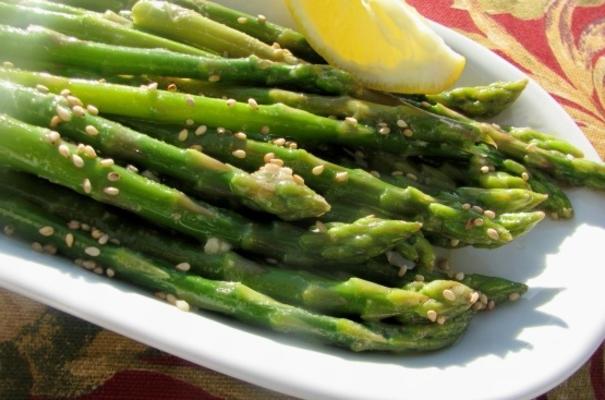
(230, 298)
(278, 120)
(481, 101)
(545, 141)
(54, 47)
(90, 27)
(51, 6)
(40, 151)
(341, 185)
(257, 27)
(114, 5)
(272, 189)
(558, 204)
(187, 26)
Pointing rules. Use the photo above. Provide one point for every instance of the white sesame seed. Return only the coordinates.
(85, 227)
(385, 130)
(459, 276)
(484, 169)
(37, 247)
(454, 242)
(241, 136)
(160, 295)
(184, 266)
(402, 124)
(73, 224)
(431, 315)
(239, 153)
(478, 222)
(110, 273)
(525, 176)
(91, 130)
(171, 87)
(96, 233)
(279, 142)
(397, 173)
(242, 20)
(231, 102)
(77, 161)
(80, 148)
(69, 240)
(375, 173)
(474, 297)
(103, 239)
(183, 135)
(92, 251)
(514, 296)
(483, 298)
(212, 246)
(466, 206)
(252, 103)
(411, 176)
(74, 101)
(111, 191)
(98, 271)
(63, 113)
(182, 305)
(489, 214)
(64, 150)
(491, 305)
(79, 111)
(478, 306)
(265, 130)
(65, 92)
(268, 157)
(493, 234)
(419, 278)
(478, 209)
(54, 121)
(53, 137)
(50, 249)
(449, 295)
(293, 146)
(87, 186)
(9, 230)
(46, 231)
(92, 109)
(298, 179)
(214, 78)
(113, 176)
(132, 168)
(341, 176)
(351, 121)
(201, 130)
(402, 271)
(261, 18)
(277, 161)
(90, 152)
(441, 320)
(318, 170)
(220, 130)
(42, 88)
(408, 133)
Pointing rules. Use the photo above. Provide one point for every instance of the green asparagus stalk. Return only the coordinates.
(336, 297)
(229, 298)
(272, 188)
(257, 27)
(545, 141)
(90, 27)
(54, 47)
(403, 119)
(481, 101)
(113, 5)
(51, 6)
(341, 185)
(41, 152)
(187, 26)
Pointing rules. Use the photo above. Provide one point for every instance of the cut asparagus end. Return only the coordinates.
(503, 200)
(275, 189)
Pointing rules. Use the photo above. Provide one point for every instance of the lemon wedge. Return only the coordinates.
(386, 44)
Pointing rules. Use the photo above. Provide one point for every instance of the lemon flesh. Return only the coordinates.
(386, 44)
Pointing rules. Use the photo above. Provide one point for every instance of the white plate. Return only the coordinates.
(516, 353)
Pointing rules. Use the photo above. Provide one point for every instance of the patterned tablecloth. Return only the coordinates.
(45, 354)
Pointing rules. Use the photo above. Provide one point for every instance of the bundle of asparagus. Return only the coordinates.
(198, 152)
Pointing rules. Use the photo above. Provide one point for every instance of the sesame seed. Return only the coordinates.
(87, 186)
(525, 176)
(341, 176)
(132, 168)
(375, 173)
(171, 87)
(64, 150)
(92, 251)
(419, 278)
(402, 124)
(454, 242)
(73, 224)
(351, 121)
(484, 169)
(74, 101)
(63, 113)
(279, 142)
(474, 297)
(183, 135)
(493, 234)
(220, 130)
(241, 136)
(252, 103)
(54, 121)
(50, 249)
(298, 179)
(182, 305)
(53, 137)
(514, 296)
(9, 230)
(214, 78)
(411, 176)
(397, 173)
(98, 271)
(478, 209)
(265, 130)
(77, 161)
(277, 161)
(531, 147)
(441, 320)
(103, 239)
(239, 153)
(110, 273)
(320, 227)
(261, 18)
(293, 146)
(491, 305)
(201, 130)
(46, 231)
(478, 306)
(212, 246)
(80, 148)
(91, 130)
(431, 315)
(402, 271)
(85, 227)
(113, 176)
(189, 100)
(449, 295)
(92, 109)
(489, 214)
(385, 130)
(42, 88)
(96, 233)
(483, 298)
(231, 102)
(90, 152)
(189, 122)
(478, 222)
(160, 295)
(318, 170)
(268, 157)
(79, 111)
(466, 206)
(184, 266)
(65, 92)
(69, 240)
(408, 133)
(111, 191)
(459, 276)
(276, 45)
(37, 247)
(107, 162)
(242, 20)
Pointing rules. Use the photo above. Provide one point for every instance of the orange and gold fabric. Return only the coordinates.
(48, 355)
